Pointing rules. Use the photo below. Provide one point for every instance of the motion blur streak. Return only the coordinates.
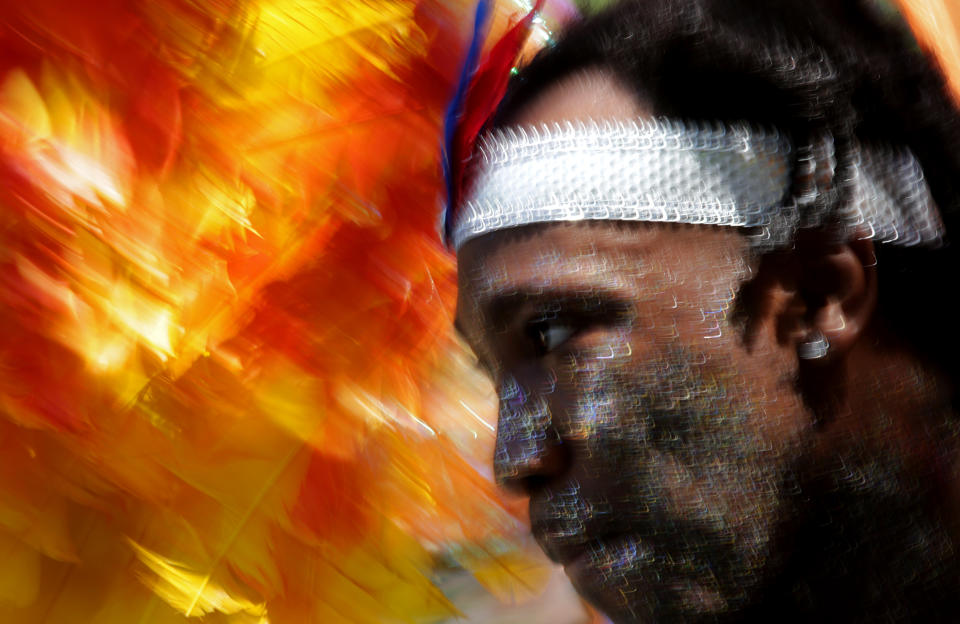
(229, 386)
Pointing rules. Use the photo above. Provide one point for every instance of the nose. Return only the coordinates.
(529, 449)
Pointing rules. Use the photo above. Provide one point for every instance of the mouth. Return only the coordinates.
(567, 527)
(559, 547)
(570, 547)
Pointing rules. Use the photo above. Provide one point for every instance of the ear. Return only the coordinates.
(837, 286)
(815, 302)
(819, 291)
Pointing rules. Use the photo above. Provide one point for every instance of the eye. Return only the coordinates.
(548, 334)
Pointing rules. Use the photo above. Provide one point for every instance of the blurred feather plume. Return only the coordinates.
(229, 387)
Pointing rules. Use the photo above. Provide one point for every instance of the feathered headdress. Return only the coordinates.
(479, 90)
(229, 386)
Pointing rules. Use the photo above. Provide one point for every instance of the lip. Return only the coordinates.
(568, 526)
(567, 547)
(576, 552)
(562, 538)
(562, 550)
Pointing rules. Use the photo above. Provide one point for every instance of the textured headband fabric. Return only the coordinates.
(667, 171)
(891, 199)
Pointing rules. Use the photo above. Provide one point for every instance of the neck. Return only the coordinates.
(878, 529)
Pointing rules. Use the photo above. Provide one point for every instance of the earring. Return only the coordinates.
(813, 348)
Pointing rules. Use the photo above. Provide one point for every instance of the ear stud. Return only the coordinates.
(813, 348)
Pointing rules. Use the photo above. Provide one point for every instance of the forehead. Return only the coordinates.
(592, 93)
(632, 261)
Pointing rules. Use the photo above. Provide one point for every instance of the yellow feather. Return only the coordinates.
(20, 100)
(20, 572)
(191, 592)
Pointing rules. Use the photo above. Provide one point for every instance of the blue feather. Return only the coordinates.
(455, 110)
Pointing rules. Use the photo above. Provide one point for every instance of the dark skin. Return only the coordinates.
(682, 461)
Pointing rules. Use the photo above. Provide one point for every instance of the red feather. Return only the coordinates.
(485, 92)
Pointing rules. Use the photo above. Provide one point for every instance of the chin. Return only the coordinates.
(629, 582)
(632, 582)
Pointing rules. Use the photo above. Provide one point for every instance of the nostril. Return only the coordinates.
(525, 466)
(534, 483)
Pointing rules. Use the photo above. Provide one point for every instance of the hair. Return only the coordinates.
(846, 68)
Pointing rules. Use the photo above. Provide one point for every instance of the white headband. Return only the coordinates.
(659, 170)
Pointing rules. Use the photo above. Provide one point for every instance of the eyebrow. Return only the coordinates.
(500, 308)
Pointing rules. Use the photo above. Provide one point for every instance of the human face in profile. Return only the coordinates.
(657, 444)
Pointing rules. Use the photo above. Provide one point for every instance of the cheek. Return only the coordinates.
(754, 388)
(680, 428)
(672, 441)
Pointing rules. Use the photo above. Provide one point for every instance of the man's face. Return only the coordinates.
(656, 443)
